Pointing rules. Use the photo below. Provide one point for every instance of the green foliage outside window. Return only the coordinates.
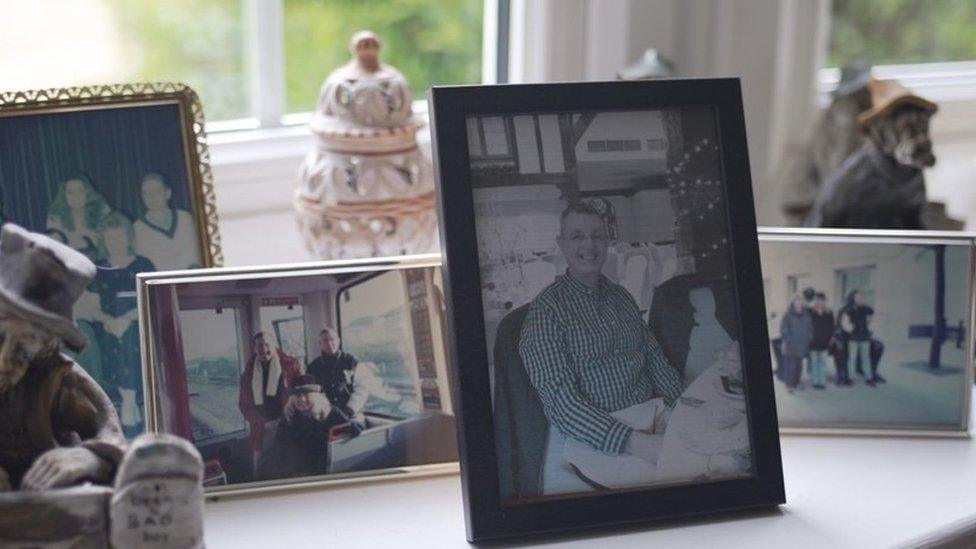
(888, 32)
(205, 44)
(201, 43)
(431, 42)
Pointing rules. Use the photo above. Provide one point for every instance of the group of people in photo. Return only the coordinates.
(293, 409)
(162, 237)
(812, 335)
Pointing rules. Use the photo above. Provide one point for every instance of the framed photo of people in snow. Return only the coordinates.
(294, 375)
(871, 331)
(121, 174)
(605, 304)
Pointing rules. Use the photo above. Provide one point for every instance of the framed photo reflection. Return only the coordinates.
(604, 290)
(121, 174)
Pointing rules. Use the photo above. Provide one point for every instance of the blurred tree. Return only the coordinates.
(430, 41)
(886, 32)
(198, 42)
(204, 43)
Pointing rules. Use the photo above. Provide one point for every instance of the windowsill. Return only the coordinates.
(842, 491)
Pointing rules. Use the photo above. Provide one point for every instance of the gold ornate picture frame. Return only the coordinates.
(122, 174)
(71, 99)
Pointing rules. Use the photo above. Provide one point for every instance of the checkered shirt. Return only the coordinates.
(588, 353)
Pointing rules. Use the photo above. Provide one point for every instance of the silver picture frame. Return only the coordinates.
(797, 237)
(346, 269)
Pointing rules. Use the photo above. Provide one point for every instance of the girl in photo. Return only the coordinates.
(115, 286)
(823, 331)
(75, 213)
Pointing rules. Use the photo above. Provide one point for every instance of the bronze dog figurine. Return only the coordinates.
(881, 185)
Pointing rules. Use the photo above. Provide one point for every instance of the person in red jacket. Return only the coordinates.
(265, 385)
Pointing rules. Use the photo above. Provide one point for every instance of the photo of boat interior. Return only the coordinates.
(389, 323)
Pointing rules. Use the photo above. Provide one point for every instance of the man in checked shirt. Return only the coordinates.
(594, 363)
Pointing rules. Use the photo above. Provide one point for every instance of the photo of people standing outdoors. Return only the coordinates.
(868, 334)
(609, 310)
(284, 378)
(114, 184)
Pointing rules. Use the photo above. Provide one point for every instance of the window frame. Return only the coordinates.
(265, 65)
(950, 84)
(239, 306)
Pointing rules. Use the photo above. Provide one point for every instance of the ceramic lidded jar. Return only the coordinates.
(366, 188)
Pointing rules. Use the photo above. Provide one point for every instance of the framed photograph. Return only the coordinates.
(120, 173)
(301, 374)
(605, 304)
(871, 331)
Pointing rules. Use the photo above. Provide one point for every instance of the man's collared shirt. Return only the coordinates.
(588, 353)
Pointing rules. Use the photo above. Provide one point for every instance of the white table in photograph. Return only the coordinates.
(841, 492)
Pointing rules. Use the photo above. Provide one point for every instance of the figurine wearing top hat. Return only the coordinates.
(57, 426)
(881, 185)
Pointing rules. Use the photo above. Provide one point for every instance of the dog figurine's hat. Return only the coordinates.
(40, 280)
(888, 95)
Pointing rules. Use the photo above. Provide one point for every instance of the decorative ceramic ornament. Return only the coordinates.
(366, 188)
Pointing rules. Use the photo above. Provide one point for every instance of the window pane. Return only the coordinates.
(430, 41)
(496, 138)
(375, 329)
(58, 43)
(286, 325)
(889, 32)
(212, 351)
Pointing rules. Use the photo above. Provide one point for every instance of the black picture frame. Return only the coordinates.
(485, 514)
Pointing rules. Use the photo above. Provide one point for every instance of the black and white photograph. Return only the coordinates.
(305, 374)
(870, 334)
(120, 180)
(609, 309)
(608, 294)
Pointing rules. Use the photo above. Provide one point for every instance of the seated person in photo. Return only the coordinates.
(267, 378)
(301, 443)
(338, 374)
(164, 234)
(708, 338)
(593, 361)
(117, 317)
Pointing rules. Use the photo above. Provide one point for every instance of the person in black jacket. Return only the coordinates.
(855, 321)
(336, 371)
(823, 331)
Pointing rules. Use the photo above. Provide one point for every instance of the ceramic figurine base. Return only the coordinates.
(74, 518)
